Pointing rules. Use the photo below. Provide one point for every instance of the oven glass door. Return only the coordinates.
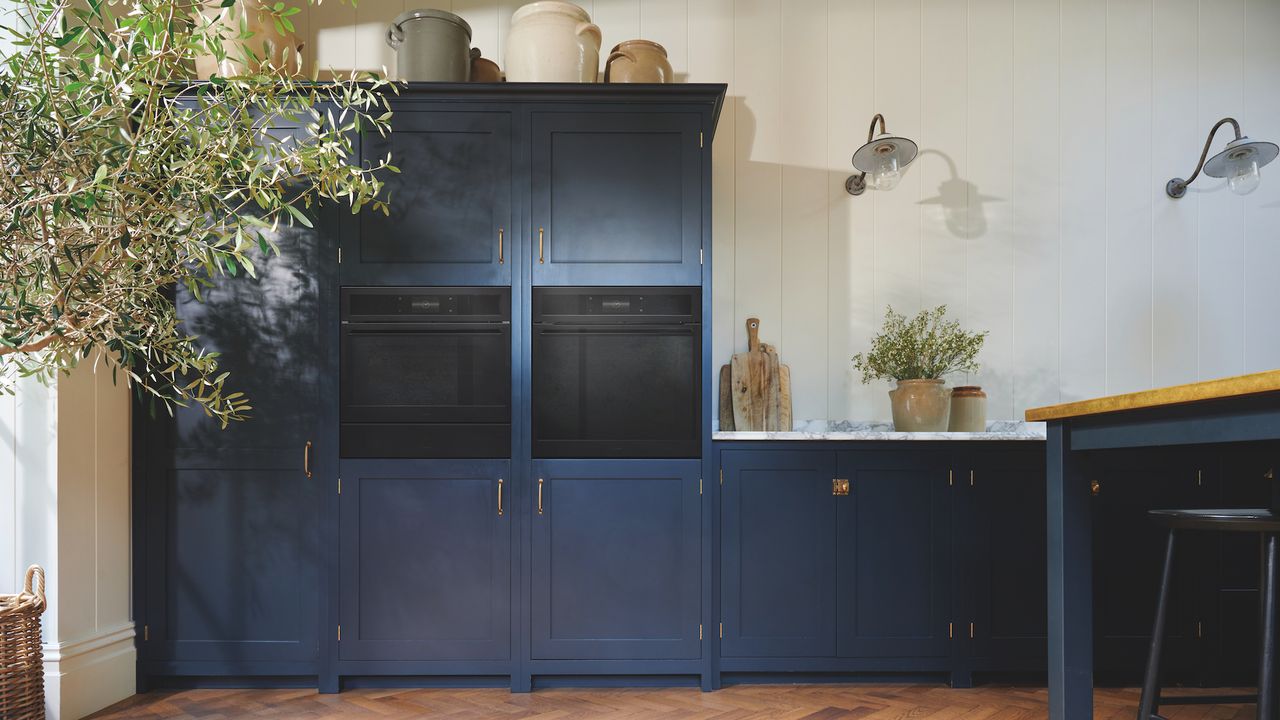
(426, 373)
(615, 391)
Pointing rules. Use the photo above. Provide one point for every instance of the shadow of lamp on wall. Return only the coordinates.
(961, 202)
(884, 157)
(1239, 162)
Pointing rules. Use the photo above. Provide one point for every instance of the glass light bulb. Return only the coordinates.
(1244, 177)
(886, 174)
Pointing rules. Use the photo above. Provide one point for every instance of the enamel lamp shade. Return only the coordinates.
(1240, 163)
(881, 161)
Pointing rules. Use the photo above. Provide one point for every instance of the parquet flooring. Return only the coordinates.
(742, 702)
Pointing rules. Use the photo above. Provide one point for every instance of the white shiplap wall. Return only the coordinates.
(1035, 211)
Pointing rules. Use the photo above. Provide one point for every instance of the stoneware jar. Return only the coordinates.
(431, 46)
(920, 406)
(552, 41)
(281, 54)
(483, 69)
(968, 409)
(637, 61)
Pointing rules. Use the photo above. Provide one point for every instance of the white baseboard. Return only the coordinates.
(85, 675)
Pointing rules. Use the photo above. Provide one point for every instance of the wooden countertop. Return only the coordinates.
(1254, 384)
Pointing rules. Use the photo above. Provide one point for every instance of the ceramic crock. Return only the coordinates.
(637, 61)
(920, 406)
(256, 20)
(552, 41)
(968, 409)
(483, 69)
(431, 46)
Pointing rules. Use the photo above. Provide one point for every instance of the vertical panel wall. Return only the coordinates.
(1036, 210)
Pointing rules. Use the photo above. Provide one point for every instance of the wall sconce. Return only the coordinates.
(884, 158)
(1238, 163)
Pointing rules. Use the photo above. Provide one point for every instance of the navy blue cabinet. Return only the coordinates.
(778, 554)
(1128, 550)
(616, 198)
(425, 560)
(1001, 534)
(893, 550)
(616, 559)
(451, 218)
(229, 541)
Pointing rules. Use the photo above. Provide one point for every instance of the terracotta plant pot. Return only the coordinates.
(920, 406)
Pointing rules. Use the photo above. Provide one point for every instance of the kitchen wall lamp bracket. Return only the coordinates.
(1238, 162)
(884, 157)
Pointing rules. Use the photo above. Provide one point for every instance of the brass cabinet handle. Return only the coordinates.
(501, 257)
(1095, 487)
(540, 255)
(306, 458)
(539, 496)
(840, 486)
(499, 497)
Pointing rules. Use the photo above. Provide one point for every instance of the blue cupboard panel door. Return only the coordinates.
(236, 572)
(425, 560)
(617, 198)
(1128, 556)
(449, 203)
(616, 570)
(232, 556)
(1007, 556)
(893, 543)
(778, 555)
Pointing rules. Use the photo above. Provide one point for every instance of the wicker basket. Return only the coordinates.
(21, 663)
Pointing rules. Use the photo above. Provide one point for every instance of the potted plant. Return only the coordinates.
(121, 180)
(918, 354)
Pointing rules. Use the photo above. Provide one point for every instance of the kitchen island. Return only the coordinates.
(1239, 414)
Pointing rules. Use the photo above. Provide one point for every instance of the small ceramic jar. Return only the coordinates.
(483, 69)
(552, 41)
(968, 409)
(637, 61)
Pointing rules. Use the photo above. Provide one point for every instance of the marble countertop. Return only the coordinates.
(857, 430)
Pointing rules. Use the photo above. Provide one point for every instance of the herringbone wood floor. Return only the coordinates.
(772, 702)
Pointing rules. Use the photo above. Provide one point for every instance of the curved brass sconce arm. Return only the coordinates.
(1177, 187)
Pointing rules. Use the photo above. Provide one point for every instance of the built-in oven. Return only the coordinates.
(425, 372)
(615, 372)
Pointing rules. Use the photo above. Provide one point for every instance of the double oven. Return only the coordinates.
(613, 372)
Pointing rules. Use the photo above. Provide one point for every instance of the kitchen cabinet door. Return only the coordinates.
(778, 554)
(230, 535)
(1128, 556)
(616, 559)
(1002, 535)
(1246, 479)
(893, 540)
(451, 204)
(425, 560)
(616, 198)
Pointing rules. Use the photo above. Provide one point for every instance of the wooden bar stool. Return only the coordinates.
(1265, 522)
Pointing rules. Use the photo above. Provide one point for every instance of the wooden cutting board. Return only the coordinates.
(759, 387)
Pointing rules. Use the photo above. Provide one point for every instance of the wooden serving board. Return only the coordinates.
(759, 387)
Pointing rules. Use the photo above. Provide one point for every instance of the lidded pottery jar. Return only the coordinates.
(968, 409)
(637, 61)
(552, 41)
(920, 406)
(431, 46)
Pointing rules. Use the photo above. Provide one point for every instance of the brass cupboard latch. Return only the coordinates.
(1095, 487)
(840, 486)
